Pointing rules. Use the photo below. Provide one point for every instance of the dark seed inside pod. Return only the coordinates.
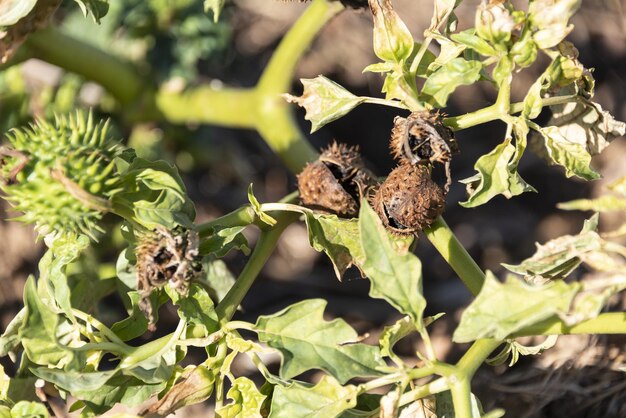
(409, 200)
(422, 138)
(336, 182)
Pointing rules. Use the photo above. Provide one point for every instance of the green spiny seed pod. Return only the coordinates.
(165, 256)
(422, 138)
(409, 200)
(336, 182)
(61, 175)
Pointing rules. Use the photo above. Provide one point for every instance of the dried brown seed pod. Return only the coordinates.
(336, 182)
(409, 200)
(165, 255)
(422, 138)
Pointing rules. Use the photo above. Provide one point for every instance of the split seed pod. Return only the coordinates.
(165, 256)
(422, 138)
(409, 200)
(336, 182)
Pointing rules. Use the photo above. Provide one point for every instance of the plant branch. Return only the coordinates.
(263, 249)
(442, 237)
(606, 323)
(118, 77)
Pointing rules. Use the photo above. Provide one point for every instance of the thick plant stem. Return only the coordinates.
(441, 236)
(263, 249)
(118, 77)
(606, 323)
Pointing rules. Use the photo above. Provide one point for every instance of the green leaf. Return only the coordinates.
(196, 308)
(601, 204)
(73, 381)
(324, 400)
(338, 238)
(448, 77)
(38, 333)
(223, 240)
(136, 324)
(500, 309)
(256, 206)
(218, 277)
(247, 400)
(324, 101)
(154, 195)
(306, 341)
(395, 277)
(468, 39)
(393, 41)
(394, 333)
(10, 339)
(400, 85)
(30, 410)
(497, 171)
(13, 10)
(96, 8)
(215, 6)
(126, 390)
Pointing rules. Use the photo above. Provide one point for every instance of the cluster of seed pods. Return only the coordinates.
(408, 200)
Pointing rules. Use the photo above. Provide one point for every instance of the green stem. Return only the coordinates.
(118, 77)
(461, 398)
(263, 249)
(492, 113)
(442, 237)
(606, 323)
(239, 217)
(384, 102)
(106, 331)
(476, 355)
(432, 388)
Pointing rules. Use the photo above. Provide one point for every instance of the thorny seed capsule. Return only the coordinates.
(336, 182)
(409, 200)
(165, 255)
(421, 138)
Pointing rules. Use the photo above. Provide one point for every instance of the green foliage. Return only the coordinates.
(65, 176)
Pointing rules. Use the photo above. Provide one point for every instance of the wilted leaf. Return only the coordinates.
(326, 399)
(497, 174)
(306, 341)
(576, 132)
(448, 77)
(247, 400)
(501, 309)
(443, 13)
(559, 257)
(193, 386)
(324, 101)
(549, 20)
(393, 41)
(513, 349)
(421, 408)
(395, 277)
(338, 238)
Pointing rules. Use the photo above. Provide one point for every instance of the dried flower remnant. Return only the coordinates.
(421, 138)
(336, 182)
(165, 256)
(409, 200)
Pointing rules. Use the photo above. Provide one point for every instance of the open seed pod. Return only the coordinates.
(409, 200)
(165, 255)
(422, 138)
(336, 182)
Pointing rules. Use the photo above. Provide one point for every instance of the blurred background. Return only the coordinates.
(580, 377)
